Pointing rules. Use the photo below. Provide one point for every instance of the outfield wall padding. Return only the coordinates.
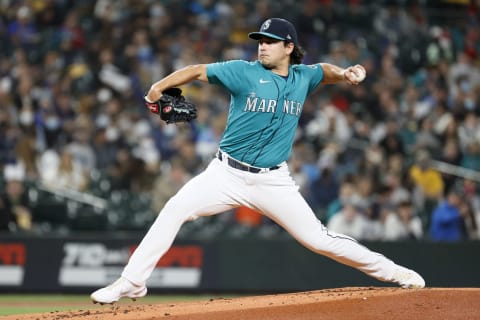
(82, 263)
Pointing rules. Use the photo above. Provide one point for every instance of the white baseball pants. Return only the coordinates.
(272, 193)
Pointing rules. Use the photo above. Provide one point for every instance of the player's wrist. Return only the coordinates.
(345, 77)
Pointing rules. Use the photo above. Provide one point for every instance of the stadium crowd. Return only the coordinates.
(73, 75)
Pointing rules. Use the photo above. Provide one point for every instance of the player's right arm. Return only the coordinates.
(177, 78)
(334, 74)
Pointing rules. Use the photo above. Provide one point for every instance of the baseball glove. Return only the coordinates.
(172, 107)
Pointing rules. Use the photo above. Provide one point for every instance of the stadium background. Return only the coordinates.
(85, 168)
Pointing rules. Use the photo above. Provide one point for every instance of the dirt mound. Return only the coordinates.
(345, 303)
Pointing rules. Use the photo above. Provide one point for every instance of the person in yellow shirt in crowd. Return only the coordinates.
(428, 185)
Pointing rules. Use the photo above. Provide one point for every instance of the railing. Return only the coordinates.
(74, 195)
(455, 170)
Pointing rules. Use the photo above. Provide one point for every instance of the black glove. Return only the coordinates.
(172, 107)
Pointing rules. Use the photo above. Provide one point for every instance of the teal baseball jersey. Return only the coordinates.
(264, 108)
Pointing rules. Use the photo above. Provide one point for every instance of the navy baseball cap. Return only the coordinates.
(276, 28)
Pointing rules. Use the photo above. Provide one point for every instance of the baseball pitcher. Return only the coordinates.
(249, 169)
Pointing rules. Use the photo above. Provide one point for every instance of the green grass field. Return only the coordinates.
(33, 303)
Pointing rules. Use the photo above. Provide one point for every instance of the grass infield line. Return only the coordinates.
(11, 304)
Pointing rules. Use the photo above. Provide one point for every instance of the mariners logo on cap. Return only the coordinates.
(266, 24)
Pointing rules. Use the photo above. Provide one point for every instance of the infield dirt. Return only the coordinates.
(356, 303)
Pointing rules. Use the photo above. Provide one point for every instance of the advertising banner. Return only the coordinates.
(12, 263)
(82, 264)
(94, 264)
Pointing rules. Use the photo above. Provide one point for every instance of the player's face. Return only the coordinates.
(272, 52)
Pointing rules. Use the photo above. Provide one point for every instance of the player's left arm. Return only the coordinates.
(177, 78)
(334, 74)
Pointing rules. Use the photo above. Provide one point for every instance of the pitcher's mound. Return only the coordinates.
(345, 303)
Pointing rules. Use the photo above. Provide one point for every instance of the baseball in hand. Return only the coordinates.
(355, 74)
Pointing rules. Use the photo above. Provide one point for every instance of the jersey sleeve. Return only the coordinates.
(315, 73)
(227, 74)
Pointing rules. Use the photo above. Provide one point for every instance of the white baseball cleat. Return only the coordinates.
(122, 288)
(407, 278)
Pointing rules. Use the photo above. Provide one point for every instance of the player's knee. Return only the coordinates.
(322, 240)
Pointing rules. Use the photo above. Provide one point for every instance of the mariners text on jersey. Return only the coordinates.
(256, 104)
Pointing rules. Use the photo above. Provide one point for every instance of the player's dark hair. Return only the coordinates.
(296, 57)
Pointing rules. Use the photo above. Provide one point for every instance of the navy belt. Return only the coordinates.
(240, 166)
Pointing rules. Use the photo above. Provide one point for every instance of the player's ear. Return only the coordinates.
(290, 46)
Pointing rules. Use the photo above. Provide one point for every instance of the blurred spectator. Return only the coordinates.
(80, 147)
(63, 172)
(392, 142)
(48, 125)
(331, 124)
(15, 211)
(469, 130)
(470, 218)
(451, 132)
(463, 77)
(427, 184)
(104, 149)
(129, 173)
(142, 145)
(364, 189)
(447, 223)
(170, 180)
(398, 192)
(411, 103)
(66, 112)
(402, 223)
(111, 75)
(22, 31)
(394, 23)
(350, 220)
(209, 137)
(323, 190)
(190, 160)
(71, 35)
(380, 207)
(472, 198)
(390, 80)
(119, 172)
(26, 154)
(372, 164)
(440, 47)
(8, 138)
(345, 191)
(426, 138)
(300, 177)
(305, 151)
(471, 157)
(396, 165)
(452, 155)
